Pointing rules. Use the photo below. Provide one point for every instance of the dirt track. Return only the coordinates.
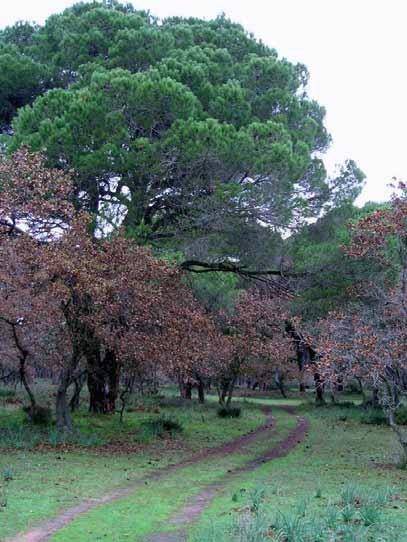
(199, 502)
(45, 530)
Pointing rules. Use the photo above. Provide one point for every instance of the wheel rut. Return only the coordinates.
(45, 530)
(196, 506)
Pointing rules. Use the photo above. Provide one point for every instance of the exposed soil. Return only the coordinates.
(194, 508)
(191, 511)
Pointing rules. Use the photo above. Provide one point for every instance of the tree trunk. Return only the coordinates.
(279, 380)
(188, 391)
(201, 391)
(361, 389)
(319, 389)
(103, 380)
(79, 381)
(375, 398)
(63, 414)
(231, 388)
(401, 434)
(113, 377)
(24, 381)
(185, 390)
(223, 391)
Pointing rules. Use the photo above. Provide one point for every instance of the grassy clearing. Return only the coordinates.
(299, 494)
(147, 509)
(49, 475)
(339, 453)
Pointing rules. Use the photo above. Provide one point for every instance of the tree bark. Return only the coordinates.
(78, 381)
(62, 410)
(103, 379)
(401, 434)
(201, 391)
(231, 388)
(319, 389)
(375, 398)
(279, 380)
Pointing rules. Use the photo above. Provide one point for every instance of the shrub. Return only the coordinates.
(39, 415)
(401, 415)
(374, 416)
(229, 412)
(158, 427)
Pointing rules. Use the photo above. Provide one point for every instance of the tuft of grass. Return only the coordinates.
(256, 498)
(252, 528)
(7, 474)
(331, 517)
(289, 526)
(3, 498)
(349, 494)
(370, 514)
(301, 507)
(348, 513)
(318, 492)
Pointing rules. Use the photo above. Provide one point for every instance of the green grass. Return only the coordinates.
(313, 479)
(50, 479)
(334, 454)
(144, 511)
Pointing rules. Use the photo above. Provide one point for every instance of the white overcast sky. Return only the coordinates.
(355, 50)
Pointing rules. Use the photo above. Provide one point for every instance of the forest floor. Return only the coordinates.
(162, 488)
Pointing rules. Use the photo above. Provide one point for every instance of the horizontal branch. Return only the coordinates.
(196, 266)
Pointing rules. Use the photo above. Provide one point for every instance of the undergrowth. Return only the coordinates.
(357, 514)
